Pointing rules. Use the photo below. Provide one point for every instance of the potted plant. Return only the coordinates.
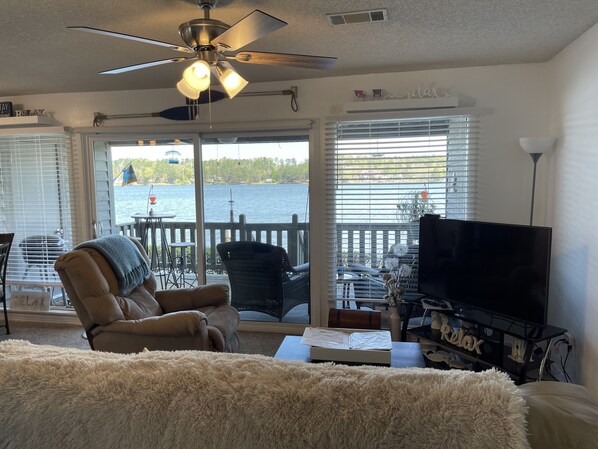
(416, 204)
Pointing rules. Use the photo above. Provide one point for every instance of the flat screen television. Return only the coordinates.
(499, 268)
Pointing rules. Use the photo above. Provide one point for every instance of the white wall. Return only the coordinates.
(574, 205)
(516, 93)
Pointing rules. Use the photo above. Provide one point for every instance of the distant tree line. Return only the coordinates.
(391, 170)
(221, 171)
(276, 170)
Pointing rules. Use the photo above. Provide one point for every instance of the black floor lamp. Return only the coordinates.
(536, 147)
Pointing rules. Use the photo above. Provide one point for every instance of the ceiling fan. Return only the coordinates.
(211, 44)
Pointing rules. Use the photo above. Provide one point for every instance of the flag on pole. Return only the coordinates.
(129, 175)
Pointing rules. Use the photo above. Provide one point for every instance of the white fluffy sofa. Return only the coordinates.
(68, 398)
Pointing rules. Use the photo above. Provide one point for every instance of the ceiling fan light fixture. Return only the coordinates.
(232, 82)
(197, 83)
(201, 69)
(209, 41)
(187, 90)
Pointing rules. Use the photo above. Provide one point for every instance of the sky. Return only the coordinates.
(284, 150)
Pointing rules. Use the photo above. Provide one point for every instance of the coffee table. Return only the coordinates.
(403, 354)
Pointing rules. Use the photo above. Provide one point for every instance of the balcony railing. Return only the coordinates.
(356, 243)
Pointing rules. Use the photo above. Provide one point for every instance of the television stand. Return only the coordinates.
(495, 331)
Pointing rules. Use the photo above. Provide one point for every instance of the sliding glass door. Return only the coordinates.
(251, 188)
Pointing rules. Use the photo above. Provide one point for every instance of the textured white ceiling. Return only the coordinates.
(39, 55)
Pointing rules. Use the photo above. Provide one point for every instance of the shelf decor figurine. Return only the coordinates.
(397, 274)
(461, 338)
(6, 109)
(518, 350)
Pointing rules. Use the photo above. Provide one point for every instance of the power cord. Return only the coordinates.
(563, 361)
(564, 364)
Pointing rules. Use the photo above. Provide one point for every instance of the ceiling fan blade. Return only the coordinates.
(301, 61)
(132, 38)
(250, 28)
(144, 65)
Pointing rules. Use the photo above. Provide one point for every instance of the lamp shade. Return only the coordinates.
(194, 81)
(187, 90)
(200, 69)
(232, 82)
(537, 145)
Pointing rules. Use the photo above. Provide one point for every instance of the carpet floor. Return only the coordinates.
(69, 336)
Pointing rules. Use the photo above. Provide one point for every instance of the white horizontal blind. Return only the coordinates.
(382, 175)
(35, 204)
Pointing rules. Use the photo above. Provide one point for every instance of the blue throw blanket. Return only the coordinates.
(129, 265)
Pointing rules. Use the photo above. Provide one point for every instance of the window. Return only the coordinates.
(35, 205)
(382, 175)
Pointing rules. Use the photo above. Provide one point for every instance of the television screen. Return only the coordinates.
(499, 268)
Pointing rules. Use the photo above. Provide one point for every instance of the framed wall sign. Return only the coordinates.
(6, 109)
(30, 300)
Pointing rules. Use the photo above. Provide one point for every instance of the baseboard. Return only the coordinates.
(69, 318)
(53, 317)
(279, 328)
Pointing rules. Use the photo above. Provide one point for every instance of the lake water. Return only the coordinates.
(261, 203)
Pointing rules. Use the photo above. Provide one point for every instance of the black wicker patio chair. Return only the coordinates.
(5, 245)
(262, 278)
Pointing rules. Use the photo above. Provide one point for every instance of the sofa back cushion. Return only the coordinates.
(560, 415)
(188, 399)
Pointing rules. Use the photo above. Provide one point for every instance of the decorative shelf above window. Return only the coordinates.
(31, 120)
(402, 104)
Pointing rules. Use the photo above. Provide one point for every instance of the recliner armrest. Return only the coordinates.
(192, 298)
(176, 324)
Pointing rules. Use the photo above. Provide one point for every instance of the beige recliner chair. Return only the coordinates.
(191, 318)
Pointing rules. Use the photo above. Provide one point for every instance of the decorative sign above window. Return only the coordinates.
(30, 113)
(420, 92)
(421, 98)
(6, 109)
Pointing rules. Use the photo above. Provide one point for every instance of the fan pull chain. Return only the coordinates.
(210, 105)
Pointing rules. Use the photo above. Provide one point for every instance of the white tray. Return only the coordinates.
(350, 355)
(345, 354)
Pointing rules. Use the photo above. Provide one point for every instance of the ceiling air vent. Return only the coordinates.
(343, 18)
